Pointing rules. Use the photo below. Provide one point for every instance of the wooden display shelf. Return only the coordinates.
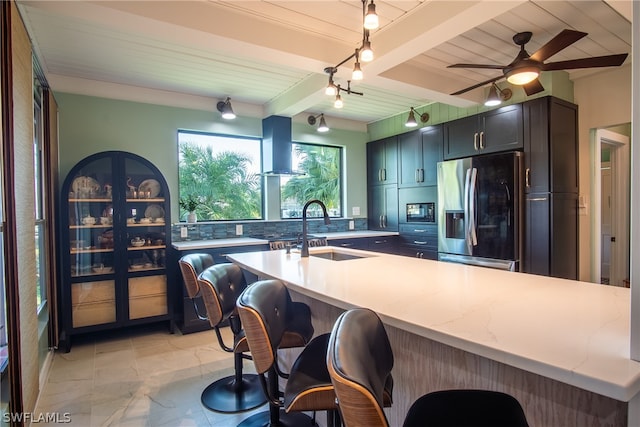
(91, 250)
(149, 200)
(96, 199)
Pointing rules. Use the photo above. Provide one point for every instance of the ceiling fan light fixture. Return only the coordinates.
(371, 21)
(522, 75)
(225, 108)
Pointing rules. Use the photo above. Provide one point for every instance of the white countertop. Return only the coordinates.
(573, 332)
(245, 241)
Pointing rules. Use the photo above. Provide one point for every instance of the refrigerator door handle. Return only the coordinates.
(467, 212)
(472, 207)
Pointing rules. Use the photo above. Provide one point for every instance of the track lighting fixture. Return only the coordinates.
(371, 21)
(496, 95)
(338, 103)
(364, 53)
(411, 121)
(225, 108)
(357, 71)
(322, 126)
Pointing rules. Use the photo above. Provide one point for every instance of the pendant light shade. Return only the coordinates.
(411, 121)
(225, 108)
(371, 21)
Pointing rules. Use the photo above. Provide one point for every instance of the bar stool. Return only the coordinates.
(265, 308)
(219, 288)
(359, 358)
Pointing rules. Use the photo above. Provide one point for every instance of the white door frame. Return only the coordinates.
(620, 218)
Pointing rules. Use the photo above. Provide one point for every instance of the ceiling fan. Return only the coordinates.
(525, 69)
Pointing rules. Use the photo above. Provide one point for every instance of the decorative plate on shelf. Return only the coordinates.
(154, 212)
(85, 186)
(150, 186)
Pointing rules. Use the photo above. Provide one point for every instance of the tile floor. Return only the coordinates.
(144, 377)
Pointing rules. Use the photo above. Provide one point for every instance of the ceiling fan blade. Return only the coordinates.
(597, 61)
(488, 66)
(533, 87)
(460, 92)
(563, 39)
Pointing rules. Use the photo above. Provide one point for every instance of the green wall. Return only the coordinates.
(90, 125)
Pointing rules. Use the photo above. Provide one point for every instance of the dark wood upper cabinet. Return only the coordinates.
(382, 161)
(551, 146)
(489, 132)
(419, 153)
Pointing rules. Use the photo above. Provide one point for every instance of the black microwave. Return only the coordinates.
(421, 212)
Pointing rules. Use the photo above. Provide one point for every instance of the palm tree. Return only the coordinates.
(322, 179)
(222, 182)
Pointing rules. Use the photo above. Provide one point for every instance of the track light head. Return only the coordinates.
(371, 21)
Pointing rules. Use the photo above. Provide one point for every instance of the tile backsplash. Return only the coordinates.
(226, 230)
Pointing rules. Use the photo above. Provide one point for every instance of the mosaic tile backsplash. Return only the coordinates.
(260, 229)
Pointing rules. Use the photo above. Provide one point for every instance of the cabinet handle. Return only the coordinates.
(380, 221)
(419, 231)
(379, 175)
(421, 254)
(482, 140)
(419, 242)
(345, 245)
(379, 242)
(527, 177)
(416, 176)
(384, 174)
(475, 141)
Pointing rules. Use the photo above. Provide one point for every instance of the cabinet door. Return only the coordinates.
(536, 244)
(461, 138)
(501, 130)
(383, 208)
(410, 167)
(431, 154)
(564, 235)
(382, 161)
(536, 146)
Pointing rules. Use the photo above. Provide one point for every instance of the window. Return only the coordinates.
(223, 173)
(322, 165)
(40, 220)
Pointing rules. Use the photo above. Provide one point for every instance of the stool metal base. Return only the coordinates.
(291, 419)
(228, 396)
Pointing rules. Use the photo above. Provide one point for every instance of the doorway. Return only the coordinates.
(610, 195)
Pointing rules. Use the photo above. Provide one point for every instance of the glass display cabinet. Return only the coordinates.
(115, 232)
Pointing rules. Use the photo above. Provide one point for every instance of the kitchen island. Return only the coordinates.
(560, 347)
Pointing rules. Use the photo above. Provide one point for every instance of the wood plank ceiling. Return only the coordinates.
(270, 55)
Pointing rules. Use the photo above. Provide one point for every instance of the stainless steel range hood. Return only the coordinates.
(276, 146)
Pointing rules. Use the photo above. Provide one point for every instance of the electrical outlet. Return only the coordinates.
(238, 229)
(352, 225)
(184, 232)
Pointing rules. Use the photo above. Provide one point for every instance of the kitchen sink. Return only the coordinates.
(336, 255)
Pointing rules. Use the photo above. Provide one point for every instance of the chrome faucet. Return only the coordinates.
(304, 252)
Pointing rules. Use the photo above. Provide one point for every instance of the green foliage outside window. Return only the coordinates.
(221, 182)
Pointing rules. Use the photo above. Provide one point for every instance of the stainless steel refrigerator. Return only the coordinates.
(480, 211)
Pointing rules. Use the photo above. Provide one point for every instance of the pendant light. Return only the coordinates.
(357, 73)
(338, 102)
(366, 54)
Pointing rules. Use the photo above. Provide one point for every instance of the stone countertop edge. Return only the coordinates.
(247, 241)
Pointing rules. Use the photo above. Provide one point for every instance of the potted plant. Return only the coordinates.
(190, 203)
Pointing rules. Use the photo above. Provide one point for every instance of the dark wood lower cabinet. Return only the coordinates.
(185, 312)
(551, 234)
(419, 241)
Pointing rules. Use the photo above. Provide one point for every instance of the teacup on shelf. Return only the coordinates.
(105, 220)
(137, 242)
(88, 220)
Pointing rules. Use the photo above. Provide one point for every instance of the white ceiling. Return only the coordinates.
(269, 56)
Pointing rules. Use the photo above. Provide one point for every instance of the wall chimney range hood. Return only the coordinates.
(276, 146)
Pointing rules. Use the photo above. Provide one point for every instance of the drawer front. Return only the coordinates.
(419, 230)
